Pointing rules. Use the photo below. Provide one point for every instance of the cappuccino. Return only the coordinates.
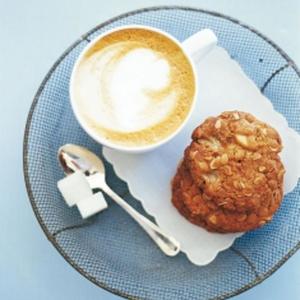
(134, 87)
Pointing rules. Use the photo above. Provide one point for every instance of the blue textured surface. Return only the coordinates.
(105, 250)
(29, 267)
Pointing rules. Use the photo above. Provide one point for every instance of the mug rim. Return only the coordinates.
(98, 137)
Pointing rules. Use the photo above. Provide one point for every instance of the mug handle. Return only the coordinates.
(200, 43)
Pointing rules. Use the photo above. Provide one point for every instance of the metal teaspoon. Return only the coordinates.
(76, 158)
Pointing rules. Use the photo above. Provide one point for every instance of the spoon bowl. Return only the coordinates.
(74, 158)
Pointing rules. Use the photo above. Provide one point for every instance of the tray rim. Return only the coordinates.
(48, 234)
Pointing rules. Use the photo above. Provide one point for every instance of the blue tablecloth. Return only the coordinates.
(33, 34)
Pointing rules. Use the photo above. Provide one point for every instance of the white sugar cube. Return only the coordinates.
(74, 188)
(92, 205)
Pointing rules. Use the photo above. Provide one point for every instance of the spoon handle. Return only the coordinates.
(166, 243)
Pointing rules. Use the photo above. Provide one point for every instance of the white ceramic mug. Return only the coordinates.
(195, 48)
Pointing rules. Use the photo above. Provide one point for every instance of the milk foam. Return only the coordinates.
(133, 87)
(118, 86)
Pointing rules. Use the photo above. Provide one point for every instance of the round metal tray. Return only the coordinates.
(110, 249)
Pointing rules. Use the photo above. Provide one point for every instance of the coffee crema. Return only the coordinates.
(134, 87)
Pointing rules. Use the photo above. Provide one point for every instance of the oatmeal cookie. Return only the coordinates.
(200, 210)
(234, 170)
